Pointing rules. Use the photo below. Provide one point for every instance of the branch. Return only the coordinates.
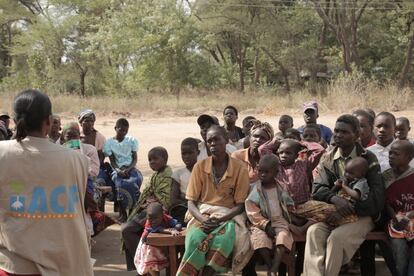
(361, 10)
(323, 15)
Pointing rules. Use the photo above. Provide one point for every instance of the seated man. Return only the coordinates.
(328, 249)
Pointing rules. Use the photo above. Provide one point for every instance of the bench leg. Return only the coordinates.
(172, 255)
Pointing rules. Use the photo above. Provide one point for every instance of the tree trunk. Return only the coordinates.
(256, 68)
(285, 72)
(408, 62)
(241, 68)
(82, 82)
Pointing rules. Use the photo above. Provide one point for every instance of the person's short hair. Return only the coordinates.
(203, 118)
(122, 122)
(288, 117)
(247, 119)
(387, 114)
(292, 143)
(404, 120)
(364, 113)
(272, 159)
(294, 132)
(231, 107)
(370, 111)
(159, 151)
(191, 142)
(71, 126)
(221, 130)
(315, 127)
(350, 120)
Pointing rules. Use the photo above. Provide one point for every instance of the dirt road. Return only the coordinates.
(167, 132)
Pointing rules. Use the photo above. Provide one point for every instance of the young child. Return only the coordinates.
(159, 188)
(312, 133)
(247, 123)
(402, 128)
(230, 115)
(266, 208)
(181, 177)
(122, 152)
(292, 133)
(353, 187)
(151, 259)
(54, 132)
(285, 122)
(399, 204)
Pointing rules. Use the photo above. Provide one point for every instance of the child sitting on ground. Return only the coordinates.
(402, 128)
(181, 177)
(122, 152)
(266, 209)
(353, 187)
(312, 133)
(399, 204)
(285, 122)
(151, 259)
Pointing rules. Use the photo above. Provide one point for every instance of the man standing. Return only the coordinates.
(310, 115)
(328, 249)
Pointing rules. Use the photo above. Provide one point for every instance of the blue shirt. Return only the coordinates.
(326, 132)
(122, 151)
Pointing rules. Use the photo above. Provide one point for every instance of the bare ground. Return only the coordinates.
(167, 132)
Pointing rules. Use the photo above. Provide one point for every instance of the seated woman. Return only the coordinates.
(89, 135)
(260, 133)
(71, 139)
(122, 151)
(216, 231)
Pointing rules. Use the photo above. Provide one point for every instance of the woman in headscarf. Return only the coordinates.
(260, 133)
(89, 135)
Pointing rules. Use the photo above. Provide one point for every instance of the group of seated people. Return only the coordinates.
(243, 194)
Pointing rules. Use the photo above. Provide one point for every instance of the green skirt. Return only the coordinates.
(212, 249)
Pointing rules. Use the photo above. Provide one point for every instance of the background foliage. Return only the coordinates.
(127, 47)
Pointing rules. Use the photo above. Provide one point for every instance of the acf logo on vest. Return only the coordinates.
(61, 200)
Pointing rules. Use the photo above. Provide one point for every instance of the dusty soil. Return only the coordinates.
(166, 132)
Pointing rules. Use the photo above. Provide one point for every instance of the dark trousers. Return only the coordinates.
(131, 234)
(178, 212)
(367, 250)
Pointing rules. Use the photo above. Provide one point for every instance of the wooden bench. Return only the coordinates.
(171, 242)
(290, 258)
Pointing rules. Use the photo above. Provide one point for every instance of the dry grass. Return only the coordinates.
(343, 95)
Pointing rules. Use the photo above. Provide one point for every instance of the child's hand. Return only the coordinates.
(400, 223)
(338, 183)
(174, 232)
(410, 215)
(333, 218)
(270, 231)
(178, 227)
